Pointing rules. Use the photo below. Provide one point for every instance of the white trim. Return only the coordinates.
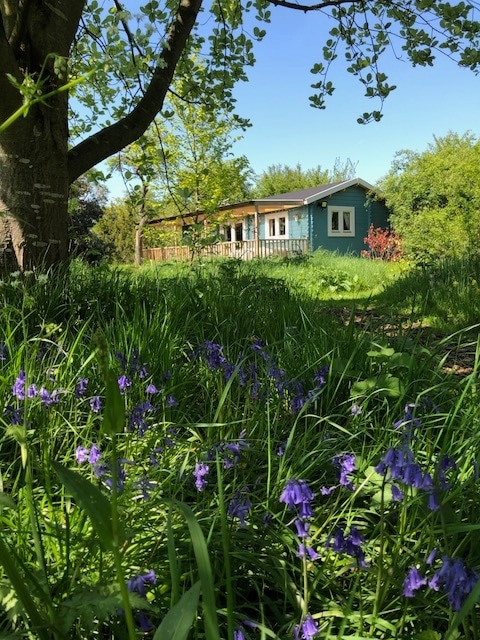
(341, 220)
(354, 182)
(275, 220)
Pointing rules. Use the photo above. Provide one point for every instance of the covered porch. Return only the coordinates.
(242, 250)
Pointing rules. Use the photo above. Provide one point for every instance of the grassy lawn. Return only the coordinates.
(277, 449)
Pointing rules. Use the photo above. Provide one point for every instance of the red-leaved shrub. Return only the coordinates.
(383, 244)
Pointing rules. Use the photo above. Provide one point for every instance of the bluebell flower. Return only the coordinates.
(81, 387)
(238, 634)
(3, 352)
(307, 630)
(13, 414)
(239, 507)
(145, 486)
(302, 528)
(124, 383)
(305, 551)
(151, 389)
(81, 454)
(413, 581)
(94, 455)
(138, 583)
(346, 465)
(456, 580)
(32, 391)
(201, 473)
(350, 544)
(171, 402)
(95, 404)
(447, 463)
(295, 493)
(356, 410)
(18, 388)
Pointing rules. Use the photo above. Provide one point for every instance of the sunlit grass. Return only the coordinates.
(138, 379)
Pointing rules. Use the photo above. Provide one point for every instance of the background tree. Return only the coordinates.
(280, 178)
(183, 165)
(435, 198)
(136, 59)
(86, 205)
(116, 230)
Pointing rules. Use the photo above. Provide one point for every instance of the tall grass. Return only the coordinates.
(219, 452)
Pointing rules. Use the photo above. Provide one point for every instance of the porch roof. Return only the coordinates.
(279, 202)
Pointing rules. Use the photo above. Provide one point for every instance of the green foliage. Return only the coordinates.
(435, 199)
(272, 344)
(283, 178)
(116, 229)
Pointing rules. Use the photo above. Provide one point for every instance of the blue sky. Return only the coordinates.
(285, 129)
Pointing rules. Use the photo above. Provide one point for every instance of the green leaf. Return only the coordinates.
(6, 501)
(114, 412)
(204, 570)
(94, 502)
(177, 623)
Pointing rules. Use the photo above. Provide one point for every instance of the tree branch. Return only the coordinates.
(112, 139)
(310, 7)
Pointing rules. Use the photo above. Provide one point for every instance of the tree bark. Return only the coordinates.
(36, 167)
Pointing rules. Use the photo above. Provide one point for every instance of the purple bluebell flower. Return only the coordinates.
(281, 448)
(145, 486)
(356, 410)
(3, 352)
(143, 622)
(346, 465)
(81, 454)
(94, 455)
(124, 383)
(307, 630)
(456, 580)
(171, 402)
(32, 390)
(305, 551)
(18, 388)
(81, 387)
(296, 492)
(151, 389)
(447, 463)
(413, 581)
(397, 494)
(239, 507)
(13, 414)
(138, 583)
(201, 473)
(350, 544)
(431, 557)
(302, 528)
(238, 634)
(95, 404)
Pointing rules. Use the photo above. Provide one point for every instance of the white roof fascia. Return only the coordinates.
(354, 182)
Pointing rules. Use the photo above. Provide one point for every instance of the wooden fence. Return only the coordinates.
(246, 250)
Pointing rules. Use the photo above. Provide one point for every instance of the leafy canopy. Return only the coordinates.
(435, 198)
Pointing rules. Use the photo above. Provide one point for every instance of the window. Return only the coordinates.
(276, 226)
(341, 221)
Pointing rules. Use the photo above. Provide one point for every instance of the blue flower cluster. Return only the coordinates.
(401, 468)
(452, 577)
(290, 390)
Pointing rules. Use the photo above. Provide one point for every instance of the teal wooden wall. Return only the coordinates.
(365, 213)
(310, 221)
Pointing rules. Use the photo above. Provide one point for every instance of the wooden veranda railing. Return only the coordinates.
(246, 250)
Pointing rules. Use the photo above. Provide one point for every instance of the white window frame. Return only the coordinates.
(276, 218)
(341, 232)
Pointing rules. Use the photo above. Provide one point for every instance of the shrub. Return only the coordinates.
(383, 244)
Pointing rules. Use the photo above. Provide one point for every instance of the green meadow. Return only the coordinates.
(231, 450)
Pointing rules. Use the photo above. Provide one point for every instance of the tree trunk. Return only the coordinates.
(34, 188)
(139, 240)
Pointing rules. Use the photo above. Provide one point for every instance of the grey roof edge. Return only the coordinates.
(353, 182)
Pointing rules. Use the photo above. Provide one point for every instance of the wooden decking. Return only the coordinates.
(246, 250)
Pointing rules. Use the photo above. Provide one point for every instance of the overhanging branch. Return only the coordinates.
(112, 139)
